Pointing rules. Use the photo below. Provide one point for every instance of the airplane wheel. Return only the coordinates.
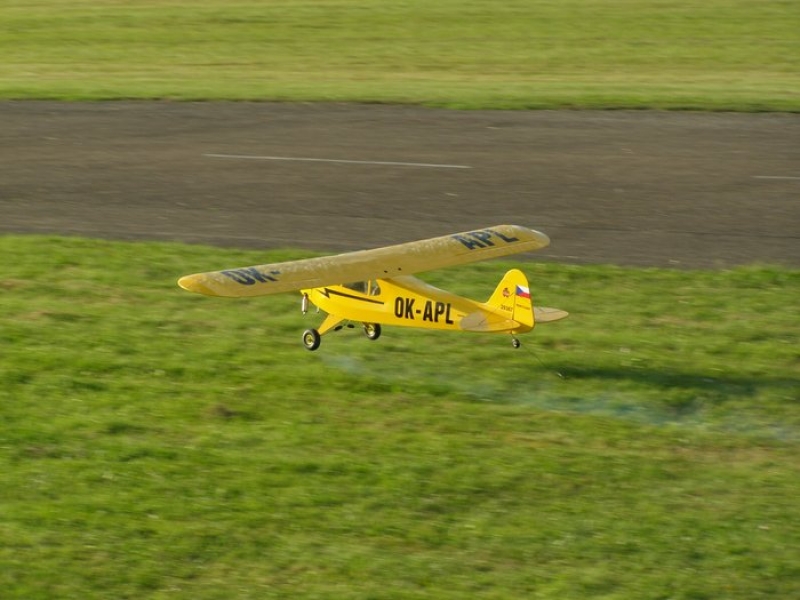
(515, 342)
(372, 330)
(311, 339)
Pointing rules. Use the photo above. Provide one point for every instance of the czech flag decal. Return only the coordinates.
(523, 292)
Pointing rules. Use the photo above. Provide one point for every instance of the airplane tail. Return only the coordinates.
(512, 299)
(508, 309)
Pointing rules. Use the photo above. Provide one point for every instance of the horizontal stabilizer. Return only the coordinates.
(542, 314)
(486, 322)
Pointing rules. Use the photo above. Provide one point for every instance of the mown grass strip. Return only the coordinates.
(718, 55)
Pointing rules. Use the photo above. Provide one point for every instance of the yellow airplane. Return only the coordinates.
(384, 292)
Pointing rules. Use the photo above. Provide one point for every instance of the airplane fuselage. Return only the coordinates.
(401, 301)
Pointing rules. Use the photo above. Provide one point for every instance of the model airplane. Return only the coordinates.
(384, 292)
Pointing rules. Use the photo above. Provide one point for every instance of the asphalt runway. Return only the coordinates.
(648, 188)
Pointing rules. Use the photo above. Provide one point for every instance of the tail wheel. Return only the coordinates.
(515, 342)
(311, 339)
(372, 330)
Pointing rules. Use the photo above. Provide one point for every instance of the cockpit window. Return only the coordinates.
(357, 286)
(370, 288)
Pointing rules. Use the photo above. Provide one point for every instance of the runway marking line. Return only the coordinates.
(338, 160)
(789, 177)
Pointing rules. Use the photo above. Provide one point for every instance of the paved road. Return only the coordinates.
(634, 188)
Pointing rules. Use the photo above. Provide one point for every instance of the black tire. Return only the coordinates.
(372, 330)
(515, 342)
(311, 339)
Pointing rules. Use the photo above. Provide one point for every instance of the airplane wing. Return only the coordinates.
(379, 263)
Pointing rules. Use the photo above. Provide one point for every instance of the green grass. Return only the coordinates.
(157, 444)
(520, 54)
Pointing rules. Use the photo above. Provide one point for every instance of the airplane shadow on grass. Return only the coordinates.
(685, 397)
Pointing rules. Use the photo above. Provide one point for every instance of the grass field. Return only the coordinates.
(681, 54)
(156, 444)
(159, 444)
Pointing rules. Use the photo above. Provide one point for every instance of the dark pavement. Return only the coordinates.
(692, 190)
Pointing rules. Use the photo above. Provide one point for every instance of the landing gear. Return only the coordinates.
(372, 330)
(311, 339)
(515, 342)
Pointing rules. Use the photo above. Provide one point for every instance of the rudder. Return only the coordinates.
(512, 299)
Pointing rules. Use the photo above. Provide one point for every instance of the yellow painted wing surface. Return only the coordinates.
(379, 263)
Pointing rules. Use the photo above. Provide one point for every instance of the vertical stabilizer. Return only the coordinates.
(512, 299)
